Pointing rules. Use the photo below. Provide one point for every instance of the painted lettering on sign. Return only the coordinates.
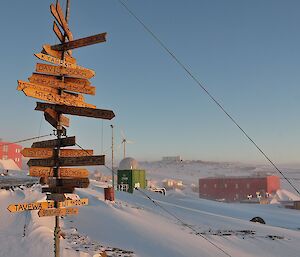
(39, 171)
(79, 111)
(77, 202)
(58, 212)
(20, 207)
(71, 84)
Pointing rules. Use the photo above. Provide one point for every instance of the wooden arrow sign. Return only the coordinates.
(58, 54)
(58, 190)
(40, 171)
(91, 40)
(57, 32)
(64, 98)
(37, 152)
(58, 212)
(71, 84)
(54, 60)
(61, 71)
(69, 161)
(79, 111)
(20, 207)
(66, 141)
(55, 119)
(69, 182)
(63, 21)
(49, 152)
(77, 202)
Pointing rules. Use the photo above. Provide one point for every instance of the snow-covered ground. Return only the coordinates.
(177, 225)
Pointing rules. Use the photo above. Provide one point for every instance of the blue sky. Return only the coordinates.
(246, 53)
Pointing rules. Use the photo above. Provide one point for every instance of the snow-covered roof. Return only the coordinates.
(8, 165)
(128, 164)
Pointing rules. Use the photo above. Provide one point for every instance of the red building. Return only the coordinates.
(237, 188)
(11, 151)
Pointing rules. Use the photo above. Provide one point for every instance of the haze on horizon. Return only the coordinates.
(245, 53)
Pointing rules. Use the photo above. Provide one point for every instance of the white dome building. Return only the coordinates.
(130, 176)
(128, 164)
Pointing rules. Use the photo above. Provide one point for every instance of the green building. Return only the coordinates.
(129, 176)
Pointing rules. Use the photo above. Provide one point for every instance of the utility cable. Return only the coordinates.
(193, 77)
(28, 139)
(182, 222)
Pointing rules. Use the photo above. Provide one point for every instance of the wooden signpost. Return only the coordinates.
(61, 84)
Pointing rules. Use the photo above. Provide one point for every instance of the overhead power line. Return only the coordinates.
(27, 139)
(193, 77)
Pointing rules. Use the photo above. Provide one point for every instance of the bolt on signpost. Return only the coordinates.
(50, 159)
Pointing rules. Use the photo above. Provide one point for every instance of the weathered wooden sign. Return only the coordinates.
(79, 111)
(49, 152)
(76, 202)
(58, 54)
(20, 207)
(63, 21)
(37, 152)
(39, 171)
(91, 40)
(58, 190)
(56, 197)
(71, 84)
(69, 161)
(60, 71)
(55, 119)
(69, 182)
(58, 212)
(64, 98)
(57, 32)
(54, 60)
(66, 141)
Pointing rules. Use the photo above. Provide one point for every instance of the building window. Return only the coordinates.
(215, 185)
(5, 157)
(248, 186)
(225, 185)
(236, 196)
(236, 186)
(5, 148)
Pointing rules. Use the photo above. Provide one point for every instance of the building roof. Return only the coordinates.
(238, 177)
(128, 164)
(8, 165)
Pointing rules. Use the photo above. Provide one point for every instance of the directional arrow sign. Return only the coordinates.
(69, 161)
(19, 207)
(79, 111)
(58, 54)
(48, 152)
(91, 40)
(77, 202)
(63, 21)
(66, 141)
(40, 171)
(69, 182)
(37, 152)
(55, 98)
(54, 60)
(58, 190)
(57, 32)
(55, 119)
(60, 71)
(58, 212)
(71, 84)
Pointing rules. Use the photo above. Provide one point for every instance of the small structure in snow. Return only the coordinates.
(130, 176)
